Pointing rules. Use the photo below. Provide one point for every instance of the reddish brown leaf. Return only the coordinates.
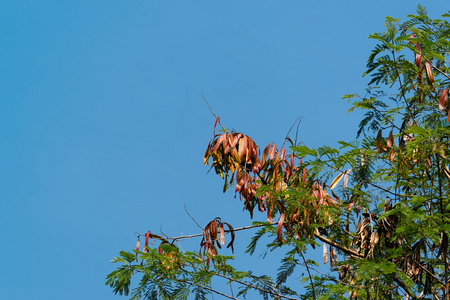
(418, 59)
(443, 98)
(222, 234)
(137, 248)
(280, 226)
(147, 236)
(390, 140)
(283, 153)
(243, 148)
(418, 47)
(304, 176)
(333, 256)
(392, 155)
(411, 37)
(429, 73)
(219, 141)
(351, 204)
(272, 152)
(215, 124)
(379, 143)
(335, 196)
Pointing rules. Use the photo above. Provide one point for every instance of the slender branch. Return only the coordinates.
(192, 217)
(287, 135)
(310, 277)
(403, 285)
(184, 237)
(336, 245)
(204, 98)
(428, 271)
(436, 68)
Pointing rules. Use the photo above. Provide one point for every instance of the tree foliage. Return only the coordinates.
(379, 206)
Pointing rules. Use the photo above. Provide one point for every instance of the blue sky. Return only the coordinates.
(103, 125)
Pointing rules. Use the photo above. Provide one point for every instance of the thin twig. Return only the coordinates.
(185, 237)
(309, 273)
(212, 110)
(436, 68)
(336, 245)
(192, 217)
(287, 135)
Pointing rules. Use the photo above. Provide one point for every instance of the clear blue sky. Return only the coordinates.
(103, 126)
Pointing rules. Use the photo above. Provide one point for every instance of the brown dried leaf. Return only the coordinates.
(147, 236)
(222, 234)
(231, 230)
(325, 254)
(137, 248)
(345, 182)
(390, 140)
(272, 152)
(379, 142)
(280, 226)
(392, 155)
(418, 59)
(429, 73)
(336, 180)
(442, 99)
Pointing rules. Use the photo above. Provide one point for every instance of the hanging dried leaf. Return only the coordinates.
(379, 142)
(392, 155)
(418, 59)
(147, 236)
(215, 124)
(390, 140)
(429, 73)
(336, 180)
(280, 226)
(137, 248)
(272, 152)
(333, 257)
(222, 234)
(231, 243)
(442, 99)
(325, 254)
(418, 48)
(345, 182)
(411, 37)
